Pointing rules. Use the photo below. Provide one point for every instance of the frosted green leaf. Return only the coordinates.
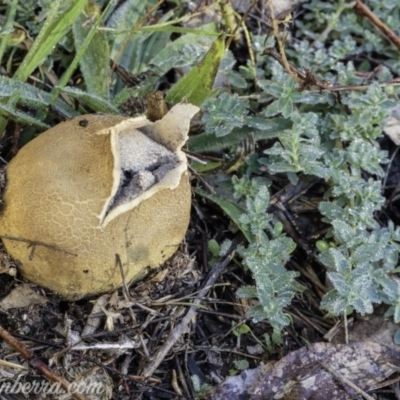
(31, 96)
(331, 210)
(258, 123)
(339, 282)
(235, 79)
(93, 101)
(224, 113)
(390, 258)
(342, 48)
(276, 150)
(388, 288)
(282, 106)
(270, 87)
(396, 337)
(343, 232)
(259, 202)
(367, 253)
(257, 314)
(316, 98)
(20, 117)
(333, 303)
(244, 187)
(365, 156)
(335, 258)
(389, 312)
(142, 47)
(224, 247)
(363, 305)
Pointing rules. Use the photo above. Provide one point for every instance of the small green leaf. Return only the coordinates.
(184, 52)
(241, 329)
(278, 228)
(322, 245)
(224, 113)
(396, 337)
(213, 247)
(389, 312)
(247, 292)
(197, 85)
(241, 364)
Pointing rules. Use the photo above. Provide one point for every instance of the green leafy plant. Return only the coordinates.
(323, 135)
(265, 256)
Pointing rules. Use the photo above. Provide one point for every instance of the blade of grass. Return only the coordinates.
(198, 83)
(11, 11)
(95, 60)
(54, 29)
(97, 103)
(10, 112)
(57, 24)
(31, 96)
(132, 31)
(204, 142)
(172, 29)
(68, 73)
(135, 49)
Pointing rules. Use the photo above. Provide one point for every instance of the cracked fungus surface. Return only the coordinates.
(59, 185)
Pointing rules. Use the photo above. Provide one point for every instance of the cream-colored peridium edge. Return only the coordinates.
(165, 132)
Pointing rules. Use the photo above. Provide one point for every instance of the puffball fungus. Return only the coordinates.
(97, 193)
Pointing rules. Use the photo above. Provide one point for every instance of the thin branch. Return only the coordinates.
(363, 10)
(239, 24)
(275, 28)
(183, 326)
(38, 364)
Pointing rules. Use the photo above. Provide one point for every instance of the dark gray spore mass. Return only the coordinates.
(143, 163)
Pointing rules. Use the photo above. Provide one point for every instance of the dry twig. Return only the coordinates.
(183, 327)
(363, 10)
(38, 364)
